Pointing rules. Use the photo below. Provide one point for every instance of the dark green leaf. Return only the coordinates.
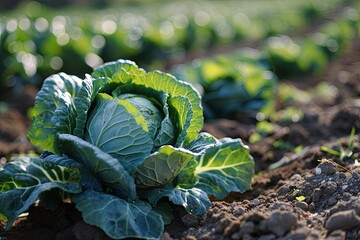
(119, 219)
(82, 103)
(164, 209)
(106, 168)
(23, 180)
(202, 142)
(194, 200)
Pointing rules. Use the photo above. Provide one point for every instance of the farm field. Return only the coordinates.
(279, 150)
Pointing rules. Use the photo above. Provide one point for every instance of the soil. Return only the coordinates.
(310, 194)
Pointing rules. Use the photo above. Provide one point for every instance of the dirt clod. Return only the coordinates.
(166, 236)
(343, 220)
(327, 168)
(280, 222)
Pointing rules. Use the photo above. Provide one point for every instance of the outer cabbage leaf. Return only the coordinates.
(87, 179)
(164, 209)
(118, 218)
(119, 129)
(107, 70)
(162, 167)
(82, 104)
(106, 168)
(23, 180)
(63, 116)
(186, 177)
(104, 81)
(54, 110)
(225, 167)
(221, 166)
(203, 142)
(194, 200)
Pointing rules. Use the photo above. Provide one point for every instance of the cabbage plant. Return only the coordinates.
(231, 86)
(124, 146)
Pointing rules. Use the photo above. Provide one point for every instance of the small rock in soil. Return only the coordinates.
(256, 217)
(302, 205)
(329, 188)
(300, 233)
(327, 168)
(335, 235)
(283, 190)
(237, 211)
(314, 235)
(316, 195)
(267, 237)
(341, 175)
(280, 222)
(317, 171)
(343, 220)
(166, 236)
(247, 227)
(228, 230)
(256, 201)
(331, 201)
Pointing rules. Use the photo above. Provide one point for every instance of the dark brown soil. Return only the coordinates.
(306, 195)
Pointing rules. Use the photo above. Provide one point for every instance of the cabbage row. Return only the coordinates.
(33, 46)
(245, 81)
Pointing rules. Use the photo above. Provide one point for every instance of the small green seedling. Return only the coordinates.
(343, 153)
(263, 128)
(300, 198)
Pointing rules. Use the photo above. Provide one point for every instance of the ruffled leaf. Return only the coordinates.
(124, 72)
(162, 167)
(23, 180)
(54, 110)
(194, 200)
